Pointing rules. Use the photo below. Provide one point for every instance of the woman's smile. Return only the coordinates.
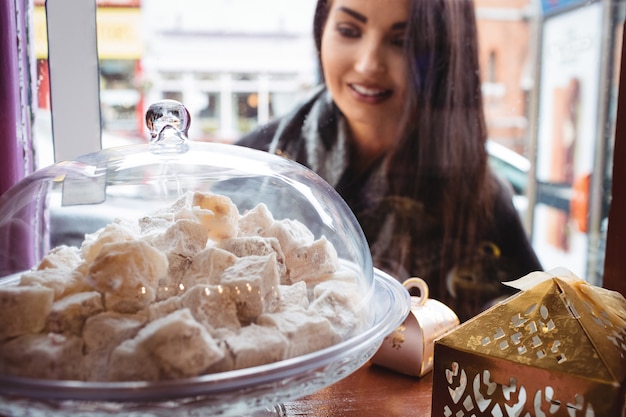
(371, 95)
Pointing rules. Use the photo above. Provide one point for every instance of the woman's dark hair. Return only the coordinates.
(441, 156)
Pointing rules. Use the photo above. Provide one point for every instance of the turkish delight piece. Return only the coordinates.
(66, 257)
(338, 302)
(313, 262)
(212, 306)
(306, 332)
(255, 245)
(172, 283)
(101, 334)
(293, 296)
(253, 283)
(179, 209)
(128, 273)
(24, 309)
(111, 233)
(43, 355)
(207, 267)
(161, 308)
(152, 226)
(256, 345)
(129, 362)
(175, 346)
(68, 314)
(227, 363)
(184, 237)
(62, 281)
(217, 213)
(291, 234)
(256, 222)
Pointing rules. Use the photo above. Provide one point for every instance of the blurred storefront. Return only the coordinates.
(506, 31)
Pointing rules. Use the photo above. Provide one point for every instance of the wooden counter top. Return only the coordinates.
(370, 391)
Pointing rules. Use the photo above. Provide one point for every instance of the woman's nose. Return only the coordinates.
(371, 58)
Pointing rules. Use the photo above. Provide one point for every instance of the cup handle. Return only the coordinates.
(421, 285)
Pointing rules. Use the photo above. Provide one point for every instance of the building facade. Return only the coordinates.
(507, 41)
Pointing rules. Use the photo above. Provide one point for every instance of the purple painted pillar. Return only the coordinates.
(17, 215)
(15, 113)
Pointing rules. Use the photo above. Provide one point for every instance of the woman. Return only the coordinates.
(397, 127)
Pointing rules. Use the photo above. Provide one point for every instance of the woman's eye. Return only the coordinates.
(348, 31)
(397, 41)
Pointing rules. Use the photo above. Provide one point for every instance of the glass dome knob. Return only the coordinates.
(168, 122)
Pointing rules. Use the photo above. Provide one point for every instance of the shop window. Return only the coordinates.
(119, 95)
(491, 68)
(208, 117)
(246, 111)
(173, 95)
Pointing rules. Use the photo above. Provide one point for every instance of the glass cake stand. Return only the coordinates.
(253, 391)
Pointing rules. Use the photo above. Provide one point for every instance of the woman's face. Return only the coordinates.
(363, 60)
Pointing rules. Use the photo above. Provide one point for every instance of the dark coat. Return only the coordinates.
(405, 238)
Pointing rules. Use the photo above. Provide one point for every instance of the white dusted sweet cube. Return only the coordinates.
(556, 348)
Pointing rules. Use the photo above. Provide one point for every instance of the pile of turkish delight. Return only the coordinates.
(194, 288)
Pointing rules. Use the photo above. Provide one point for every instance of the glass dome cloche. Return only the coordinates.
(173, 276)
